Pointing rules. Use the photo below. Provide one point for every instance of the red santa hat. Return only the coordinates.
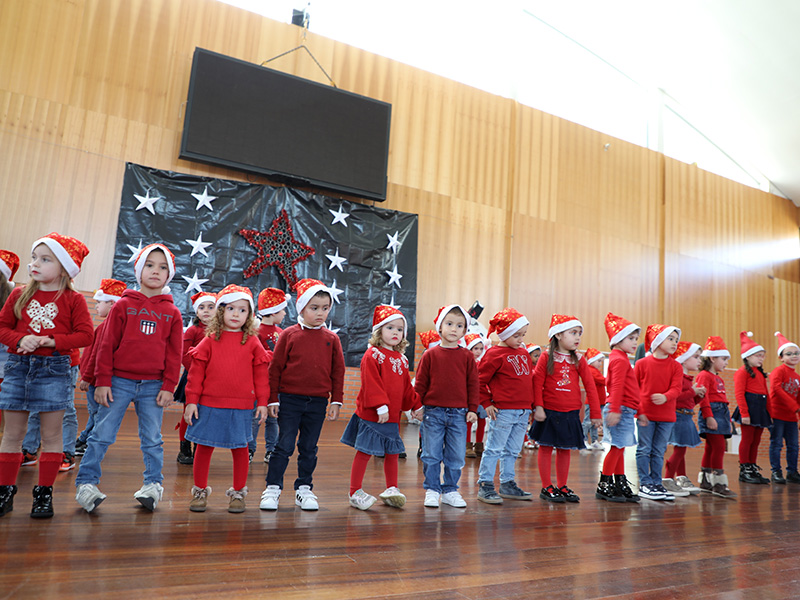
(533, 348)
(232, 293)
(783, 343)
(443, 313)
(593, 355)
(685, 351)
(141, 259)
(201, 297)
(429, 339)
(655, 335)
(110, 290)
(384, 314)
(561, 323)
(749, 347)
(506, 323)
(272, 300)
(9, 263)
(69, 251)
(307, 289)
(618, 328)
(473, 339)
(715, 346)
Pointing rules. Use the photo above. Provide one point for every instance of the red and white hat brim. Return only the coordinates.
(233, 297)
(595, 358)
(475, 342)
(754, 350)
(389, 319)
(785, 346)
(444, 312)
(513, 328)
(70, 266)
(306, 296)
(271, 310)
(565, 326)
(623, 333)
(204, 298)
(138, 266)
(716, 353)
(5, 270)
(688, 354)
(101, 296)
(659, 339)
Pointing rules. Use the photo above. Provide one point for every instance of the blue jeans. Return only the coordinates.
(300, 421)
(779, 431)
(504, 437)
(589, 430)
(92, 407)
(653, 440)
(33, 436)
(107, 423)
(270, 433)
(444, 439)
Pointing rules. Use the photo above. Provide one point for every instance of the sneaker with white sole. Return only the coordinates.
(89, 497)
(432, 499)
(362, 500)
(454, 499)
(391, 496)
(687, 485)
(672, 487)
(270, 498)
(597, 445)
(305, 498)
(651, 492)
(149, 495)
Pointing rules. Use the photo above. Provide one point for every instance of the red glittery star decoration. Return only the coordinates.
(276, 247)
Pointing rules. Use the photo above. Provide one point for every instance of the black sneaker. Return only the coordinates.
(267, 456)
(80, 447)
(510, 490)
(551, 494)
(568, 494)
(792, 477)
(186, 456)
(251, 453)
(402, 455)
(487, 493)
(777, 477)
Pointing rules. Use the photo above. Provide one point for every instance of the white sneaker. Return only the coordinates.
(270, 497)
(89, 497)
(431, 499)
(393, 497)
(597, 445)
(687, 485)
(528, 445)
(305, 498)
(149, 495)
(362, 500)
(454, 499)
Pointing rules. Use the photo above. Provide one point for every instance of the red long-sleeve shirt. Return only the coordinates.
(269, 334)
(561, 391)
(89, 357)
(742, 382)
(448, 377)
(385, 382)
(191, 338)
(784, 394)
(505, 377)
(307, 362)
(600, 384)
(623, 389)
(715, 387)
(687, 399)
(658, 376)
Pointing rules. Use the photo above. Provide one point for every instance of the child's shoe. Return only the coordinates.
(479, 448)
(624, 488)
(80, 447)
(270, 498)
(704, 477)
(720, 486)
(199, 499)
(792, 477)
(149, 495)
(551, 494)
(89, 497)
(7, 498)
(267, 456)
(687, 485)
(606, 490)
(236, 505)
(669, 496)
(510, 490)
(529, 445)
(431, 499)
(673, 488)
(185, 455)
(29, 458)
(42, 502)
(597, 445)
(651, 492)
(756, 471)
(777, 476)
(305, 498)
(362, 500)
(746, 474)
(568, 494)
(471, 451)
(454, 499)
(392, 497)
(67, 462)
(487, 493)
(250, 454)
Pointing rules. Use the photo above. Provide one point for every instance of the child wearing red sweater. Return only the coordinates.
(784, 405)
(229, 374)
(557, 401)
(41, 324)
(385, 393)
(9, 264)
(750, 391)
(595, 359)
(138, 362)
(476, 345)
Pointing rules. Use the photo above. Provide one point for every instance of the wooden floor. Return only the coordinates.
(700, 547)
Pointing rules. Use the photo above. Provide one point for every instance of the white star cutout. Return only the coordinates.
(204, 199)
(147, 202)
(135, 251)
(339, 216)
(199, 245)
(336, 261)
(335, 292)
(194, 282)
(394, 276)
(394, 243)
(331, 329)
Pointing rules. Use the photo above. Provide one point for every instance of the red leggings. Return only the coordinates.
(748, 447)
(202, 464)
(614, 464)
(359, 469)
(545, 469)
(182, 425)
(676, 464)
(714, 452)
(480, 430)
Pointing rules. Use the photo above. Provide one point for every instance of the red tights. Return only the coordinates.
(714, 452)
(748, 447)
(676, 464)
(545, 469)
(359, 469)
(202, 464)
(480, 431)
(614, 464)
(182, 425)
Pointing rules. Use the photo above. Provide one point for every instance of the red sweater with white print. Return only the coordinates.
(61, 316)
(385, 382)
(505, 376)
(623, 389)
(687, 399)
(715, 387)
(784, 393)
(658, 376)
(561, 391)
(742, 382)
(191, 338)
(89, 358)
(448, 377)
(269, 334)
(143, 340)
(225, 373)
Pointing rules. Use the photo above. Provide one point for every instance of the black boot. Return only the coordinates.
(756, 471)
(746, 474)
(7, 498)
(185, 456)
(42, 502)
(777, 476)
(624, 489)
(607, 490)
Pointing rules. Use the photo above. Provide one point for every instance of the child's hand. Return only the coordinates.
(491, 412)
(711, 423)
(472, 417)
(599, 424)
(643, 421)
(190, 412)
(539, 414)
(83, 386)
(333, 412)
(745, 420)
(261, 413)
(658, 399)
(612, 419)
(164, 398)
(28, 344)
(102, 395)
(699, 390)
(272, 410)
(419, 413)
(383, 417)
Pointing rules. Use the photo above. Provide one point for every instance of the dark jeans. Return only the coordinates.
(779, 431)
(303, 415)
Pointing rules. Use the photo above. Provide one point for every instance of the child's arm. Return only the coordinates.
(172, 361)
(487, 369)
(539, 378)
(675, 383)
(8, 321)
(195, 378)
(739, 387)
(82, 332)
(592, 399)
(615, 384)
(108, 344)
(473, 387)
(337, 379)
(706, 380)
(279, 358)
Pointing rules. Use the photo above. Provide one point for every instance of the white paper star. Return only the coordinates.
(147, 202)
(199, 245)
(394, 276)
(331, 329)
(194, 282)
(394, 243)
(335, 292)
(339, 216)
(204, 199)
(336, 261)
(134, 251)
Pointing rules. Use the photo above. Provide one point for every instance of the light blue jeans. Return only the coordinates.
(650, 450)
(33, 436)
(444, 441)
(107, 423)
(270, 433)
(504, 437)
(92, 407)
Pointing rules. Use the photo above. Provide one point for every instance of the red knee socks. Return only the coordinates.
(49, 463)
(390, 470)
(562, 467)
(202, 463)
(359, 468)
(241, 464)
(545, 469)
(10, 463)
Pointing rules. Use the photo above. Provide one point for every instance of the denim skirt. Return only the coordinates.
(757, 407)
(559, 430)
(723, 418)
(685, 432)
(221, 427)
(36, 383)
(623, 434)
(375, 439)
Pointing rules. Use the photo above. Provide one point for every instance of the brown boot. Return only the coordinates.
(720, 485)
(704, 480)
(236, 505)
(199, 499)
(479, 448)
(471, 450)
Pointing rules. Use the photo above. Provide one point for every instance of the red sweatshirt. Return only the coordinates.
(623, 389)
(89, 358)
(268, 334)
(64, 318)
(448, 377)
(715, 387)
(225, 373)
(742, 382)
(687, 399)
(600, 384)
(560, 391)
(784, 390)
(307, 362)
(191, 338)
(505, 377)
(143, 340)
(385, 382)
(658, 376)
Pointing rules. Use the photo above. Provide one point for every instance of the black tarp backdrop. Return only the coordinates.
(365, 242)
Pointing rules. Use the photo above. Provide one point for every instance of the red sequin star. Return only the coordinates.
(276, 248)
